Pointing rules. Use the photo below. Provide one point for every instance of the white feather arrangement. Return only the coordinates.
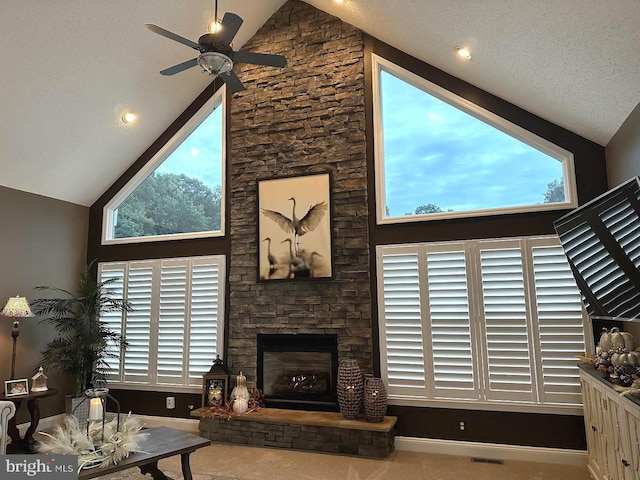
(91, 450)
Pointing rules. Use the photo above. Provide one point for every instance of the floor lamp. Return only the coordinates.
(16, 307)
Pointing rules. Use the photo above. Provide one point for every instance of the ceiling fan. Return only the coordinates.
(216, 54)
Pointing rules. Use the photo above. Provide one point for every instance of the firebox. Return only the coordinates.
(298, 371)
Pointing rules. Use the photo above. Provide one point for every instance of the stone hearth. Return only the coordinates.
(327, 432)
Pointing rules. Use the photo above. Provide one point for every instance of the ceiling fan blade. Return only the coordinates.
(228, 28)
(232, 81)
(259, 59)
(180, 67)
(172, 36)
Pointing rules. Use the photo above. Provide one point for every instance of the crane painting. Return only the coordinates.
(294, 228)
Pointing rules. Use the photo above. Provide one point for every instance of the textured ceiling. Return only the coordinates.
(70, 68)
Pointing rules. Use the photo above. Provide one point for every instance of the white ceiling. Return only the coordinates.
(71, 67)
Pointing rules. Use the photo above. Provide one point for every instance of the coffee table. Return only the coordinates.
(161, 442)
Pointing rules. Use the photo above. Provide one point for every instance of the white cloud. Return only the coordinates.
(438, 154)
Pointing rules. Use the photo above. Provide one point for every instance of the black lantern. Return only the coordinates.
(97, 398)
(215, 385)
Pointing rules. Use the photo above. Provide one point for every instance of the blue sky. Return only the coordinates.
(435, 153)
(200, 154)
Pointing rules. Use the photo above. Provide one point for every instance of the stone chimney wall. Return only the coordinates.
(306, 118)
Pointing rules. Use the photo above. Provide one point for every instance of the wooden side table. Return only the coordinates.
(25, 444)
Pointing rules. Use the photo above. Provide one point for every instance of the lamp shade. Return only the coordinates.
(17, 307)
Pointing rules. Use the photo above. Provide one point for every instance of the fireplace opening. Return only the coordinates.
(298, 371)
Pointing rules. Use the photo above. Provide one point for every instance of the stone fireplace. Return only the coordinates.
(298, 371)
(307, 118)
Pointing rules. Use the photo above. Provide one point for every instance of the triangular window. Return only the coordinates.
(179, 193)
(440, 156)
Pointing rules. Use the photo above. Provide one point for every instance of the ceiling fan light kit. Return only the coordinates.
(215, 63)
(217, 57)
(214, 25)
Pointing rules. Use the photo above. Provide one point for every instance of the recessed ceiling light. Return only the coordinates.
(341, 1)
(128, 117)
(463, 52)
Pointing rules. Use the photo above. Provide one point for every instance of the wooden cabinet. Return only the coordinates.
(612, 424)
(631, 445)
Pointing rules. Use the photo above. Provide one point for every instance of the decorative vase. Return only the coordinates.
(375, 399)
(350, 388)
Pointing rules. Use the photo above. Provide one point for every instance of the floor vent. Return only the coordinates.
(488, 460)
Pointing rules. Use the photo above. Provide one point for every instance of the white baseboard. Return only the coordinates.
(494, 451)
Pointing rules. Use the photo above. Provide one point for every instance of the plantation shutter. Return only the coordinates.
(601, 273)
(400, 314)
(114, 273)
(560, 319)
(506, 330)
(206, 325)
(600, 240)
(177, 323)
(498, 321)
(171, 321)
(624, 223)
(450, 323)
(138, 322)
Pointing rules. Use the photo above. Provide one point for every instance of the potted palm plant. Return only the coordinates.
(84, 342)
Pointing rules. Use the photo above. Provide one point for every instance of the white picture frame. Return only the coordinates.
(14, 388)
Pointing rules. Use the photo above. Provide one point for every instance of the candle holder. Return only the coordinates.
(375, 399)
(97, 398)
(350, 388)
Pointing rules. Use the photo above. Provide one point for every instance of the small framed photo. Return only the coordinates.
(16, 387)
(215, 390)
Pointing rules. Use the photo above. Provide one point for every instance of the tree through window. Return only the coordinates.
(183, 194)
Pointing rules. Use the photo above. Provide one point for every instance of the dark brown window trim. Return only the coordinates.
(589, 160)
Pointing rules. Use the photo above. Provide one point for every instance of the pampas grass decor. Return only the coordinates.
(92, 451)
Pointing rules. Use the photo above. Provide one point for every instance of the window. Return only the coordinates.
(176, 326)
(440, 156)
(480, 322)
(180, 191)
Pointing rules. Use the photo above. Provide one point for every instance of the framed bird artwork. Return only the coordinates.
(294, 228)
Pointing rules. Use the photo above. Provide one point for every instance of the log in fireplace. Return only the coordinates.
(298, 371)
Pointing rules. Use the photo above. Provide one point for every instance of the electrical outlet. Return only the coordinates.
(171, 402)
(462, 426)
